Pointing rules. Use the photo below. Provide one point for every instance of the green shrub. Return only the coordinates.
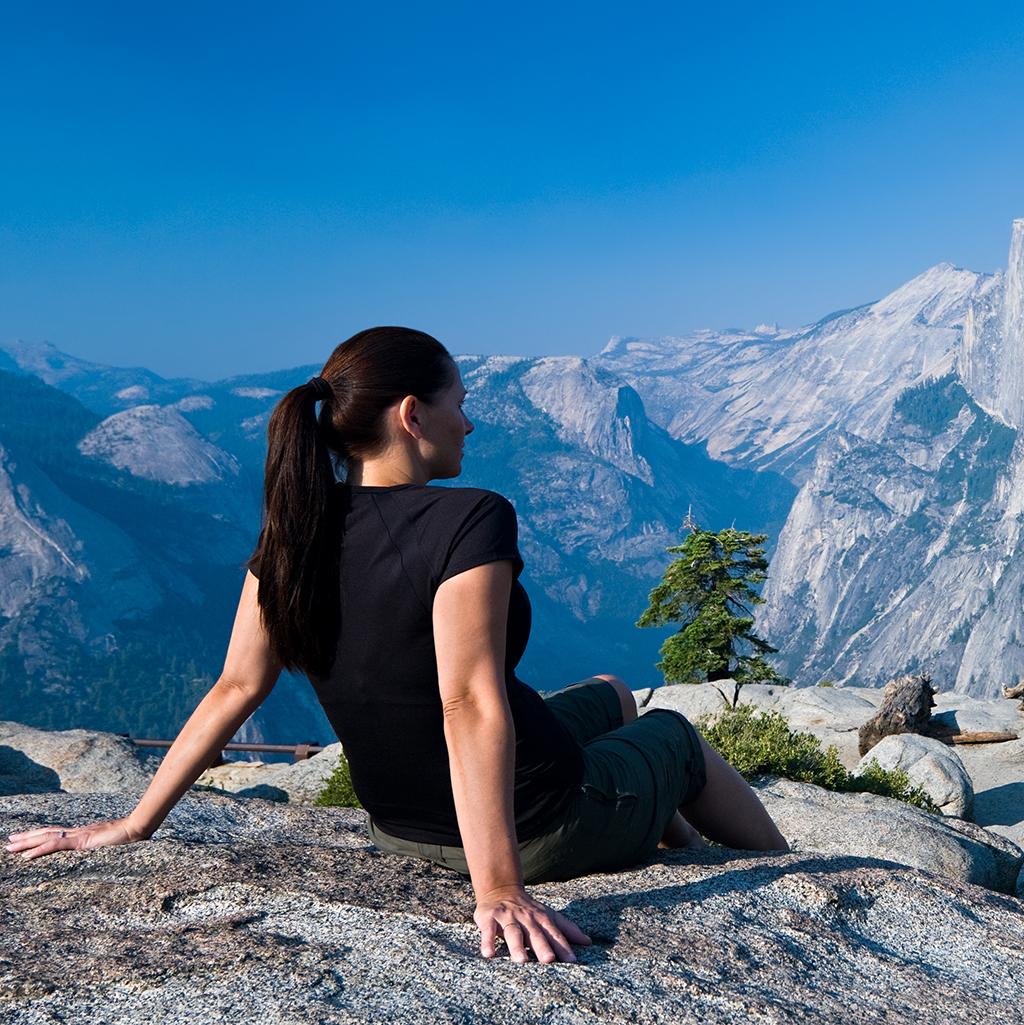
(892, 783)
(337, 791)
(758, 743)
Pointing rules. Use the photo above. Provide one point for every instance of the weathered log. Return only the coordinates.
(970, 737)
(1014, 692)
(906, 707)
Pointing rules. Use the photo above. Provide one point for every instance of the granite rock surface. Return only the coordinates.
(814, 819)
(76, 761)
(255, 911)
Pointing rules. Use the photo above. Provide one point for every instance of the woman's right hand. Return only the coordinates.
(34, 843)
(525, 924)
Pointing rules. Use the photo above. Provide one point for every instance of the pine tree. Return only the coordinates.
(710, 590)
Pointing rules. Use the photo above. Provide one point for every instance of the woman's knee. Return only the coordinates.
(626, 699)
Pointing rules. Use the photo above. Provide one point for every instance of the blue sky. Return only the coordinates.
(210, 189)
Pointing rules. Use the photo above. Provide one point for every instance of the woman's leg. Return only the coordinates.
(592, 707)
(729, 811)
(679, 832)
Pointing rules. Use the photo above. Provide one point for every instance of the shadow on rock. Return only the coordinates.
(20, 775)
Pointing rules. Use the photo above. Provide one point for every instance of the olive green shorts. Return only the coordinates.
(635, 776)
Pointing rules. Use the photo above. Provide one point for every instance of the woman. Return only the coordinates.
(401, 602)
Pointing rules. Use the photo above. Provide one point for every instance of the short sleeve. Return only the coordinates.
(486, 532)
(252, 564)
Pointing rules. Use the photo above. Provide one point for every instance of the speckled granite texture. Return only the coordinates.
(260, 912)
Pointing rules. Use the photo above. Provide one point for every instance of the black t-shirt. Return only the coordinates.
(382, 696)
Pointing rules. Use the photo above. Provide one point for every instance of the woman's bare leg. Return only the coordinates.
(729, 811)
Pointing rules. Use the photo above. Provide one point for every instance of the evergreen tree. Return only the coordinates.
(710, 590)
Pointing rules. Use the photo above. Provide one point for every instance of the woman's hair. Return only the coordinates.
(296, 557)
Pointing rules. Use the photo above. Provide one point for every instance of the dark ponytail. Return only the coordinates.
(297, 556)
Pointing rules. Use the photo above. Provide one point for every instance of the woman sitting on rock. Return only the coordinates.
(401, 602)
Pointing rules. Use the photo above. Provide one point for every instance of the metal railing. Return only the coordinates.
(299, 752)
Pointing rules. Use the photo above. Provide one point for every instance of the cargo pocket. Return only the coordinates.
(612, 827)
(608, 797)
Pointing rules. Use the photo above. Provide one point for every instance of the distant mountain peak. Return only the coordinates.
(941, 294)
(46, 361)
(591, 407)
(158, 443)
(990, 358)
(767, 397)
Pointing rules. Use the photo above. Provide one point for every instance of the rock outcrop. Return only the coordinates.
(158, 443)
(246, 910)
(826, 822)
(902, 550)
(997, 773)
(989, 358)
(299, 782)
(74, 761)
(769, 398)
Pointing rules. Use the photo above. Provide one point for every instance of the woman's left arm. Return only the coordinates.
(469, 616)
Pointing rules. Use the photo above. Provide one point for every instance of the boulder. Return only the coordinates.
(75, 761)
(834, 715)
(299, 782)
(692, 700)
(839, 709)
(255, 911)
(237, 775)
(931, 765)
(867, 825)
(91, 761)
(642, 696)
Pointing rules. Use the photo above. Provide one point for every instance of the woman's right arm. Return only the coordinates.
(469, 614)
(250, 672)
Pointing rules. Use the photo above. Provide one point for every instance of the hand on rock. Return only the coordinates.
(34, 843)
(525, 924)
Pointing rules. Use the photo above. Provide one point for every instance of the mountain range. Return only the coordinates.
(878, 446)
(900, 421)
(129, 503)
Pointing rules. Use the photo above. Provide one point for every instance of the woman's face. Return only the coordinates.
(446, 428)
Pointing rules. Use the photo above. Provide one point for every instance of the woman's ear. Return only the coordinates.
(408, 415)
